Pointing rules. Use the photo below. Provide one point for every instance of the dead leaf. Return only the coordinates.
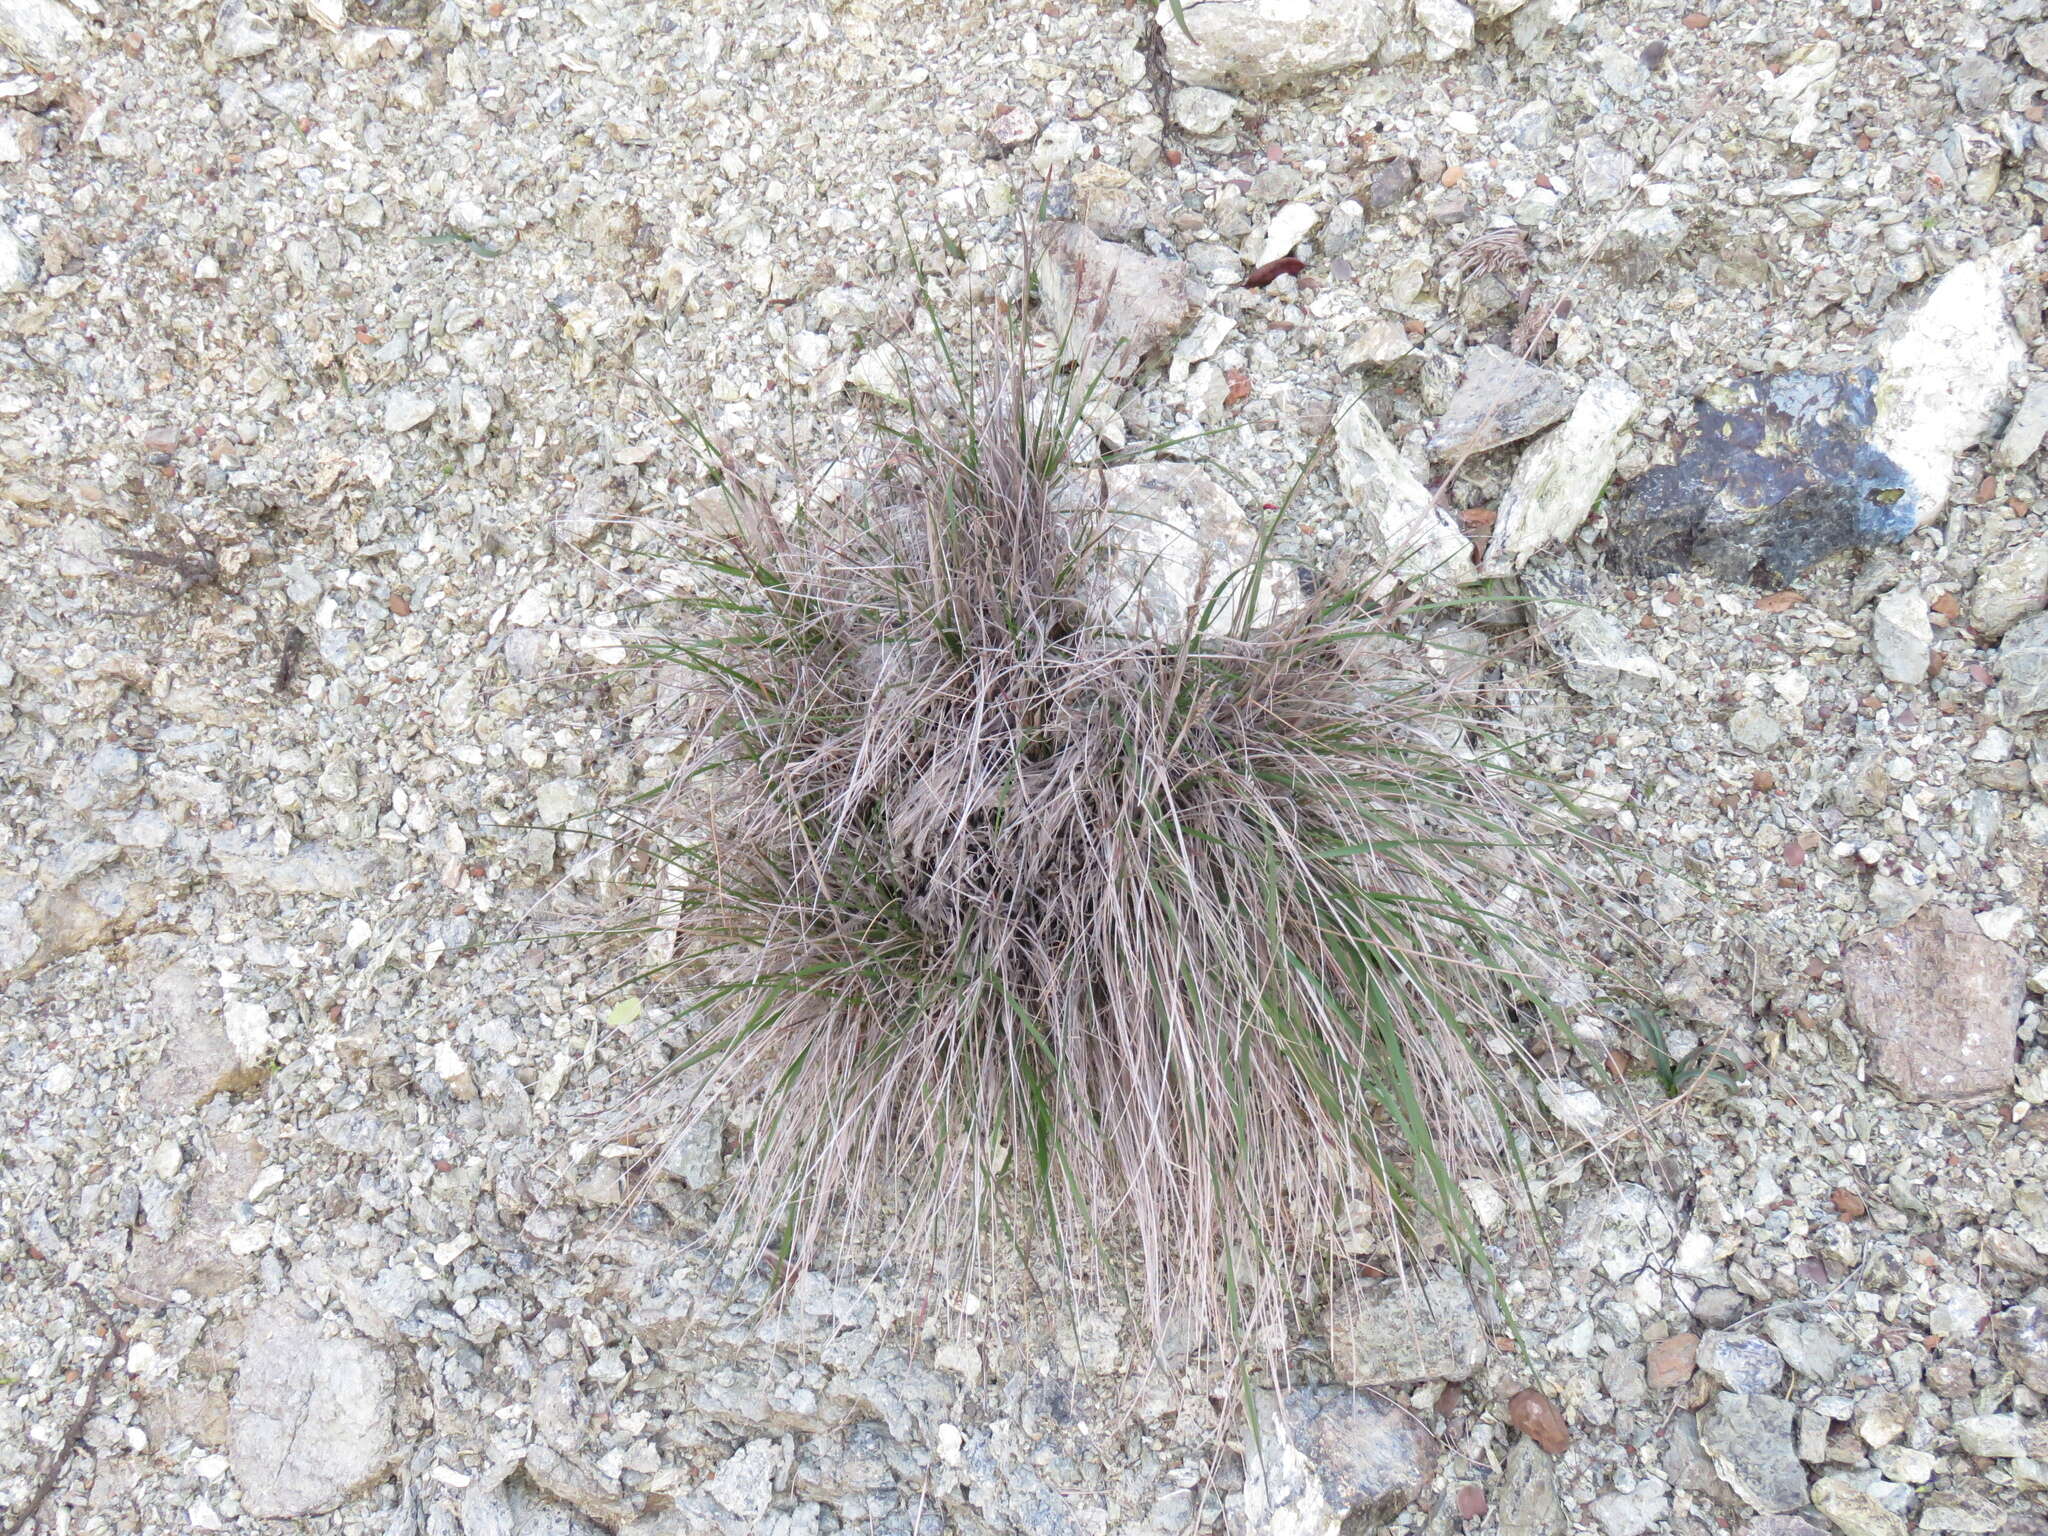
(1285, 266)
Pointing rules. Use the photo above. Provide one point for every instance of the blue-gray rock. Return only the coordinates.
(1360, 1455)
(1750, 1441)
(1741, 1363)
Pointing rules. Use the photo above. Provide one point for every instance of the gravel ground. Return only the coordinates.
(345, 349)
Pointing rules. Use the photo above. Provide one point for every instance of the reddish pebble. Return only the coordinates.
(1471, 1502)
(1540, 1419)
(1670, 1361)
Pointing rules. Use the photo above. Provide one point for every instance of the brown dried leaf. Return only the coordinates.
(1285, 266)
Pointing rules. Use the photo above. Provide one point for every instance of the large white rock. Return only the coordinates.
(17, 262)
(311, 1420)
(1276, 44)
(42, 32)
(1179, 543)
(1561, 476)
(1942, 379)
(1404, 527)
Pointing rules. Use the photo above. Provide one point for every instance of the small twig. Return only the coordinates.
(53, 1468)
(200, 569)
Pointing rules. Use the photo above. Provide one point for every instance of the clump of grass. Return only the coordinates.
(1168, 941)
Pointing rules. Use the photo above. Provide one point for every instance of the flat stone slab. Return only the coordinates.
(311, 1420)
(1501, 399)
(1940, 1004)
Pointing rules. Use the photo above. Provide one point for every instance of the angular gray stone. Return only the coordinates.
(1599, 658)
(1200, 110)
(310, 1424)
(1750, 1440)
(1326, 1457)
(1372, 1457)
(1403, 526)
(1809, 1348)
(1740, 1362)
(1384, 1331)
(2004, 1435)
(1560, 477)
(2021, 439)
(42, 32)
(1635, 1512)
(1754, 729)
(2033, 45)
(1940, 1004)
(2022, 668)
(1902, 636)
(1176, 538)
(1617, 1231)
(1688, 1465)
(1526, 1502)
(239, 33)
(1978, 83)
(248, 859)
(1111, 307)
(1501, 399)
(2009, 589)
(1852, 1511)
(2022, 1335)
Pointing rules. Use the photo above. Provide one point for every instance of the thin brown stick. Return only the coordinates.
(53, 1466)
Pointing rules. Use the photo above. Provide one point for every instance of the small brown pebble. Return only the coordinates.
(1696, 21)
(399, 605)
(1453, 174)
(1447, 1400)
(1539, 1418)
(1763, 779)
(1471, 1502)
(1848, 1204)
(1670, 1361)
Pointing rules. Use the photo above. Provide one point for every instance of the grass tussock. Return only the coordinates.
(1175, 943)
